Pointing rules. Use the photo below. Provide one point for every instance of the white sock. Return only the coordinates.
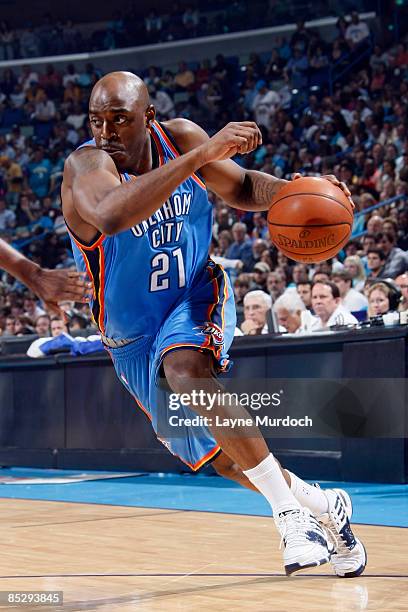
(311, 497)
(268, 479)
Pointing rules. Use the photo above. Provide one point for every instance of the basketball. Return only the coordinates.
(310, 220)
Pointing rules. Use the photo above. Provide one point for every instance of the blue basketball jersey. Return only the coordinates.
(143, 273)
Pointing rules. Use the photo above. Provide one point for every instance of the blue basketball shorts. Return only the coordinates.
(203, 321)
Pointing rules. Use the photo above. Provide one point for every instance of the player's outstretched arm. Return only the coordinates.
(240, 188)
(51, 286)
(93, 192)
(243, 189)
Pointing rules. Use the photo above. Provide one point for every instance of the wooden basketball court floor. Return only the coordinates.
(116, 557)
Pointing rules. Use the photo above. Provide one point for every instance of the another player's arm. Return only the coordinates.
(50, 285)
(103, 202)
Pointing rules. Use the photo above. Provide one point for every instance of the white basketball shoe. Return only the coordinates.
(349, 557)
(305, 542)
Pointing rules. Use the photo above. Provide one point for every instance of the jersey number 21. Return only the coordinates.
(160, 277)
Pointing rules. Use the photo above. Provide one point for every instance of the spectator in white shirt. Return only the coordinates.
(288, 309)
(70, 76)
(352, 299)
(18, 96)
(31, 308)
(162, 102)
(256, 307)
(357, 31)
(27, 77)
(265, 104)
(327, 306)
(44, 108)
(76, 117)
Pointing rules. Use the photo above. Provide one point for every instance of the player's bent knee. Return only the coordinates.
(182, 370)
(180, 378)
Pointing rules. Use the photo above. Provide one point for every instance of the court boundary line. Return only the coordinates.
(201, 575)
(107, 518)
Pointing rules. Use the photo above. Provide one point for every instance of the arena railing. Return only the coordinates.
(352, 60)
(384, 203)
(24, 242)
(194, 49)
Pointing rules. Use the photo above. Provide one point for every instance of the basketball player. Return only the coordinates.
(136, 204)
(51, 286)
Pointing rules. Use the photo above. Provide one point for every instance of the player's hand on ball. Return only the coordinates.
(335, 181)
(236, 137)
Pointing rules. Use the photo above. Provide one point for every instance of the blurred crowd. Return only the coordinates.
(136, 25)
(312, 122)
(130, 28)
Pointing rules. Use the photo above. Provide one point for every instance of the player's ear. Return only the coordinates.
(150, 115)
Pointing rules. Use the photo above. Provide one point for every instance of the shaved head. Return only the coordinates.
(120, 87)
(120, 115)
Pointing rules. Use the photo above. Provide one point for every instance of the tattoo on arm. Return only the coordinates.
(258, 189)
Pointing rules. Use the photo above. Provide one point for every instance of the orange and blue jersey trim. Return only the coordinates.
(224, 301)
(176, 153)
(220, 297)
(94, 259)
(190, 345)
(101, 293)
(220, 289)
(210, 456)
(159, 146)
(140, 405)
(87, 247)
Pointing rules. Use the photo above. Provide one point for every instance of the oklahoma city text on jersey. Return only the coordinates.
(167, 230)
